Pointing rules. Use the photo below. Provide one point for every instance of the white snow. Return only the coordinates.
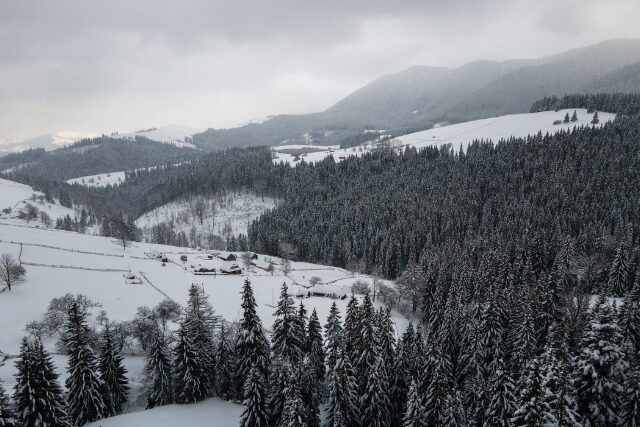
(170, 134)
(210, 412)
(236, 210)
(462, 134)
(99, 180)
(16, 196)
(66, 267)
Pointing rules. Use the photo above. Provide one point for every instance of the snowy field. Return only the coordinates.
(177, 135)
(99, 180)
(95, 266)
(108, 178)
(462, 134)
(234, 210)
(16, 196)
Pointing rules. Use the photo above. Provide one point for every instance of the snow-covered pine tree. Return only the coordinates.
(455, 413)
(286, 338)
(566, 118)
(158, 378)
(199, 322)
(533, 409)
(599, 370)
(315, 348)
(277, 385)
(294, 413)
(112, 373)
(85, 389)
(438, 388)
(38, 397)
(224, 363)
(252, 347)
(522, 338)
(365, 351)
(595, 119)
(7, 414)
(557, 379)
(190, 379)
(401, 375)
(386, 341)
(574, 117)
(630, 317)
(334, 340)
(352, 327)
(375, 404)
(415, 413)
(255, 406)
(502, 402)
(630, 414)
(342, 405)
(618, 283)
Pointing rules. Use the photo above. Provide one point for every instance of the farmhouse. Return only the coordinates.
(227, 256)
(266, 266)
(234, 269)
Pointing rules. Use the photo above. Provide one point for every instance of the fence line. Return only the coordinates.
(63, 249)
(144, 276)
(73, 267)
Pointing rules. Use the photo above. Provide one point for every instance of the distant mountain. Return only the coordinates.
(94, 156)
(419, 97)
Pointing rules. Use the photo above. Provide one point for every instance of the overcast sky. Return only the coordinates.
(88, 66)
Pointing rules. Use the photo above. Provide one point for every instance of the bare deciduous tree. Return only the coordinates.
(11, 272)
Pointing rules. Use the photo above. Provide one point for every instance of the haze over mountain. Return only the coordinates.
(422, 96)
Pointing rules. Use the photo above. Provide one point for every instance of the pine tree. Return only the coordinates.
(315, 351)
(157, 374)
(7, 414)
(199, 322)
(39, 399)
(630, 414)
(566, 118)
(439, 381)
(334, 340)
(599, 370)
(595, 119)
(401, 374)
(415, 413)
(85, 389)
(287, 342)
(533, 409)
(618, 283)
(375, 400)
(252, 347)
(190, 382)
(455, 413)
(112, 373)
(365, 351)
(352, 327)
(294, 413)
(574, 117)
(255, 406)
(502, 402)
(558, 382)
(224, 364)
(342, 405)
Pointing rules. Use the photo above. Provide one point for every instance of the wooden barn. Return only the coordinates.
(227, 256)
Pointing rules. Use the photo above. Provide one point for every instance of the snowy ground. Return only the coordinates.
(234, 210)
(99, 180)
(94, 266)
(16, 196)
(462, 134)
(108, 178)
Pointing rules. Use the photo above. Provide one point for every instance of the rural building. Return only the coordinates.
(227, 256)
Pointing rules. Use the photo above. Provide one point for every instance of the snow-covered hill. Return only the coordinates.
(16, 197)
(171, 134)
(60, 262)
(229, 214)
(461, 134)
